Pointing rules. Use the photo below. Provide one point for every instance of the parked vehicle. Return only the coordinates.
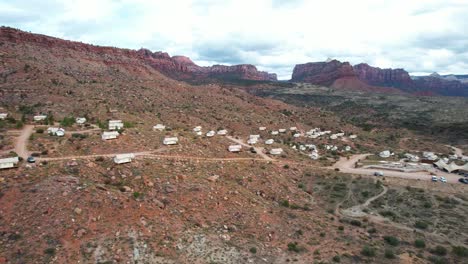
(31, 159)
(442, 179)
(434, 178)
(378, 173)
(463, 180)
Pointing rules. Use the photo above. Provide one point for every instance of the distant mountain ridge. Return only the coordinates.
(364, 77)
(176, 67)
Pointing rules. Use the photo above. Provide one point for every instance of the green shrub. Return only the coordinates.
(389, 254)
(355, 222)
(421, 225)
(67, 121)
(293, 246)
(49, 251)
(128, 124)
(336, 259)
(439, 250)
(372, 230)
(419, 243)
(391, 240)
(286, 166)
(39, 131)
(284, 203)
(341, 228)
(136, 195)
(253, 250)
(368, 251)
(460, 251)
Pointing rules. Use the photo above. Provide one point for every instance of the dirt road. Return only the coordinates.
(457, 151)
(259, 150)
(347, 166)
(22, 141)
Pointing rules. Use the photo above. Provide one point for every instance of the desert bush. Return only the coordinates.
(39, 131)
(439, 250)
(336, 259)
(294, 246)
(368, 251)
(389, 254)
(419, 243)
(355, 222)
(253, 250)
(460, 251)
(391, 240)
(421, 225)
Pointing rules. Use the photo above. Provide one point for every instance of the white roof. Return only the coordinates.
(210, 133)
(159, 126)
(115, 121)
(262, 128)
(269, 141)
(125, 156)
(110, 133)
(222, 132)
(235, 148)
(293, 128)
(10, 160)
(197, 129)
(282, 130)
(276, 151)
(254, 136)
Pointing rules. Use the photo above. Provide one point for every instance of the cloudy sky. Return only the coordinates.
(422, 36)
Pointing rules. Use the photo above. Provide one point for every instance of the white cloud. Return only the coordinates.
(421, 36)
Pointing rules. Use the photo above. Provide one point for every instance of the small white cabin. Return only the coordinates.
(80, 120)
(109, 135)
(8, 163)
(159, 127)
(262, 128)
(276, 151)
(282, 130)
(269, 141)
(334, 136)
(347, 148)
(197, 129)
(293, 128)
(222, 132)
(170, 141)
(39, 118)
(124, 158)
(3, 116)
(210, 133)
(115, 124)
(302, 147)
(297, 135)
(353, 136)
(199, 133)
(235, 148)
(274, 132)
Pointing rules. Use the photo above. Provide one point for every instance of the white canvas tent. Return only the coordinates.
(3, 116)
(80, 120)
(124, 158)
(170, 141)
(109, 135)
(276, 151)
(115, 124)
(39, 117)
(8, 163)
(159, 127)
(235, 148)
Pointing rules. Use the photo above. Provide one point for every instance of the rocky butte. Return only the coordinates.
(177, 67)
(364, 77)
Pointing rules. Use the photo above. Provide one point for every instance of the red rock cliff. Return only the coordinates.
(177, 67)
(322, 73)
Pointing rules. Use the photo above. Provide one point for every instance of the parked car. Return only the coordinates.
(31, 159)
(378, 173)
(442, 179)
(463, 180)
(434, 178)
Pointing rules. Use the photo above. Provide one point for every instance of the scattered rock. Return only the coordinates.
(159, 203)
(125, 189)
(169, 188)
(77, 210)
(213, 178)
(81, 233)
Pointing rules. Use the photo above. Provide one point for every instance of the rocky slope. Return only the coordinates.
(363, 77)
(177, 67)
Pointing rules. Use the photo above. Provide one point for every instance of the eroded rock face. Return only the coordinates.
(322, 73)
(177, 67)
(362, 77)
(383, 77)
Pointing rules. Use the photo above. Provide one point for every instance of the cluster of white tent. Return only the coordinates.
(56, 131)
(211, 133)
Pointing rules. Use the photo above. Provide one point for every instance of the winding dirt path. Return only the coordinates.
(357, 210)
(21, 142)
(259, 150)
